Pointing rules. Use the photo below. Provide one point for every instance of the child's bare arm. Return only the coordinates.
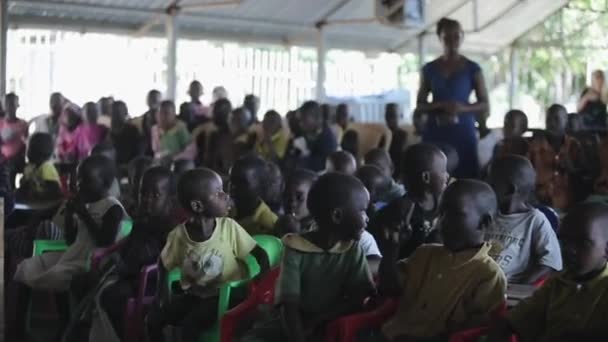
(262, 258)
(388, 271)
(292, 322)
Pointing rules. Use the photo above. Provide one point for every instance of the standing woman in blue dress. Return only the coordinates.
(450, 79)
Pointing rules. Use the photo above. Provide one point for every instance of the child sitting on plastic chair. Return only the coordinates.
(450, 287)
(91, 220)
(210, 249)
(573, 305)
(324, 274)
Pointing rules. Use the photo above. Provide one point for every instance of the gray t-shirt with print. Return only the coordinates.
(522, 241)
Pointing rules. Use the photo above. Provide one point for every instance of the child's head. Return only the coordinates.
(40, 148)
(380, 158)
(310, 117)
(166, 115)
(272, 123)
(373, 179)
(466, 209)
(452, 155)
(95, 176)
(11, 102)
(273, 187)
(72, 117)
(575, 123)
(201, 192)
(221, 112)
(180, 166)
(153, 100)
(338, 203)
(584, 238)
(513, 179)
(157, 190)
(252, 103)
(106, 105)
(341, 161)
(296, 191)
(56, 103)
(420, 119)
(239, 120)
(557, 119)
(342, 116)
(293, 122)
(120, 113)
(105, 149)
(247, 178)
(515, 124)
(424, 170)
(196, 90)
(392, 115)
(91, 112)
(219, 93)
(136, 169)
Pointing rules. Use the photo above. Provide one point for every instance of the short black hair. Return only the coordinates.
(391, 106)
(557, 109)
(419, 158)
(182, 165)
(193, 184)
(104, 148)
(273, 115)
(517, 113)
(154, 92)
(159, 173)
(103, 166)
(341, 159)
(255, 164)
(379, 157)
(11, 97)
(482, 193)
(42, 145)
(302, 175)
(332, 190)
(168, 104)
(446, 23)
(367, 173)
(311, 108)
(517, 170)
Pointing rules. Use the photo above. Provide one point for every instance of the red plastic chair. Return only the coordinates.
(134, 312)
(101, 253)
(474, 334)
(345, 329)
(260, 292)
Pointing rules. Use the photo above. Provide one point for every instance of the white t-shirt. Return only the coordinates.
(486, 145)
(522, 241)
(368, 245)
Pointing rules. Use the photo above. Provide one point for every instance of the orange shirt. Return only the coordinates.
(553, 184)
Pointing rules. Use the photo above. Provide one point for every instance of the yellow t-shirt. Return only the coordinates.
(444, 291)
(261, 222)
(210, 263)
(279, 140)
(46, 172)
(563, 306)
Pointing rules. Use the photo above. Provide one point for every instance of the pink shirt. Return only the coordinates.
(87, 136)
(14, 136)
(67, 145)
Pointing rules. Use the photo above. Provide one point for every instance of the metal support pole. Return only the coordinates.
(513, 75)
(421, 51)
(172, 33)
(3, 46)
(321, 53)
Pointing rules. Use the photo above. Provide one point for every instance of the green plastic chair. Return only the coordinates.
(125, 229)
(272, 246)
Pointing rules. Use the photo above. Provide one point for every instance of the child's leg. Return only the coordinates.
(200, 318)
(113, 301)
(62, 301)
(24, 294)
(170, 314)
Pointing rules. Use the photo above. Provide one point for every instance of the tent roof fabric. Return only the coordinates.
(292, 22)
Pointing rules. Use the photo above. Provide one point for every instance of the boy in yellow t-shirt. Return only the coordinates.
(572, 306)
(210, 249)
(248, 177)
(450, 287)
(40, 178)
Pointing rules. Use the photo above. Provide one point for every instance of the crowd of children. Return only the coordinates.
(198, 186)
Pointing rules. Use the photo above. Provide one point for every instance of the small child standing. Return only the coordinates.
(40, 178)
(573, 305)
(210, 249)
(341, 161)
(246, 188)
(413, 215)
(90, 220)
(450, 287)
(557, 157)
(90, 133)
(324, 274)
(527, 247)
(296, 218)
